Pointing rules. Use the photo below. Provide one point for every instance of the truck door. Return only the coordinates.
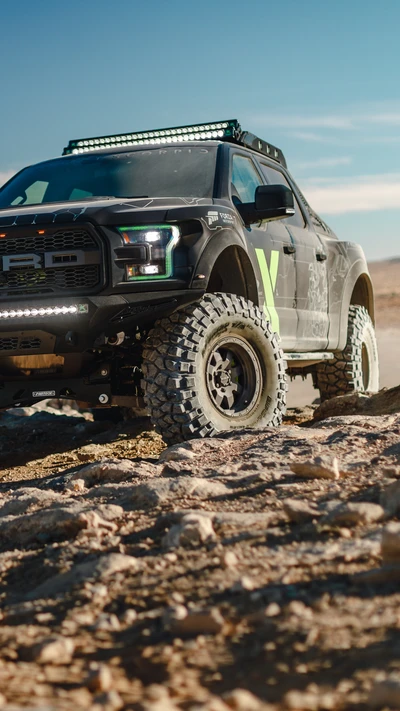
(272, 250)
(311, 272)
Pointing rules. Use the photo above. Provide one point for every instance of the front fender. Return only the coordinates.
(210, 250)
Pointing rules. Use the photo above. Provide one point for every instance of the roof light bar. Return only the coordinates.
(45, 311)
(197, 132)
(229, 130)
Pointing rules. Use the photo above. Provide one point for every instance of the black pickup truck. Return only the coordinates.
(178, 272)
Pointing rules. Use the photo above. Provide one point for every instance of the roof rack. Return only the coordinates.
(230, 131)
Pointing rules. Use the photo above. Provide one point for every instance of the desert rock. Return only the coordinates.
(299, 511)
(217, 578)
(55, 650)
(354, 514)
(318, 468)
(193, 530)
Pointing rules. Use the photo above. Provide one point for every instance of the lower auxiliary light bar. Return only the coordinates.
(45, 311)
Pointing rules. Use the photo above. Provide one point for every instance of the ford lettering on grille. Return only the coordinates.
(56, 262)
(50, 259)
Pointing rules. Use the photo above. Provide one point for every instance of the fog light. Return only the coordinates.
(149, 269)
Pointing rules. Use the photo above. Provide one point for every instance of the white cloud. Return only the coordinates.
(309, 121)
(323, 163)
(309, 136)
(365, 193)
(384, 114)
(5, 175)
(388, 119)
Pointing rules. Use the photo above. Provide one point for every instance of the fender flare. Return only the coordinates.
(216, 245)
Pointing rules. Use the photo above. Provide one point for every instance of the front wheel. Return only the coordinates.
(214, 366)
(356, 369)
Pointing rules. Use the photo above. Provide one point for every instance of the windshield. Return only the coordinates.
(166, 172)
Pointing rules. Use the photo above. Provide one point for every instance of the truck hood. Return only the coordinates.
(104, 211)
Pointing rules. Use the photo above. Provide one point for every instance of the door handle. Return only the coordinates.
(321, 256)
(289, 249)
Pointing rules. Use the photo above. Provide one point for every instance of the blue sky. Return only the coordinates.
(318, 79)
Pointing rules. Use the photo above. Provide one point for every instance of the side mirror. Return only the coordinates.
(272, 202)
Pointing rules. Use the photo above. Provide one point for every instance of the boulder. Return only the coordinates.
(386, 402)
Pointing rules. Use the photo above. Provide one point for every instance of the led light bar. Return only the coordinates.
(197, 132)
(222, 131)
(45, 311)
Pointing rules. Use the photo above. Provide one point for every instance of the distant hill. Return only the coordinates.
(386, 280)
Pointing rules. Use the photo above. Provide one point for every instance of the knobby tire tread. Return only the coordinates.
(168, 366)
(344, 374)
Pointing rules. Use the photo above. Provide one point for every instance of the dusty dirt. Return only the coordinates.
(258, 571)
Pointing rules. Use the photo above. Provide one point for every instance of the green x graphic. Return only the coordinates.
(269, 277)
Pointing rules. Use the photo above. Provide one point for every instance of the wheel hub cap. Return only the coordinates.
(233, 376)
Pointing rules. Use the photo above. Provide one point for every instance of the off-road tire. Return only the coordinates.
(356, 368)
(184, 378)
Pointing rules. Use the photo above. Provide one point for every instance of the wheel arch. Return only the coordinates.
(358, 291)
(227, 267)
(363, 295)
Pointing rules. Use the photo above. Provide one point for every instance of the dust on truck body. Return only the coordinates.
(180, 272)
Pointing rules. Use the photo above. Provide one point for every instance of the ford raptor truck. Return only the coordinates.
(181, 273)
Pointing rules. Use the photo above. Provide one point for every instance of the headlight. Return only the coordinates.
(154, 256)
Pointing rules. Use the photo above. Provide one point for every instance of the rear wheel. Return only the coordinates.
(214, 366)
(356, 368)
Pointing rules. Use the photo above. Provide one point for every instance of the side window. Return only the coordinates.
(275, 177)
(78, 194)
(245, 179)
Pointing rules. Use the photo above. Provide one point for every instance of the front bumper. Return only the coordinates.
(55, 331)
(96, 319)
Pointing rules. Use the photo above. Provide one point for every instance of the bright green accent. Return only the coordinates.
(145, 227)
(273, 268)
(168, 250)
(269, 277)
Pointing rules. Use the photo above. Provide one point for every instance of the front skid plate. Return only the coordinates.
(18, 393)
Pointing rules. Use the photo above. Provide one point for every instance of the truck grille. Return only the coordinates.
(26, 279)
(8, 344)
(62, 239)
(36, 280)
(23, 344)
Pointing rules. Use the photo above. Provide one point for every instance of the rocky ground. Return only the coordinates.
(255, 572)
(252, 572)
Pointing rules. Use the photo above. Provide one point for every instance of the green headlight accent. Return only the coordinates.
(160, 253)
(145, 228)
